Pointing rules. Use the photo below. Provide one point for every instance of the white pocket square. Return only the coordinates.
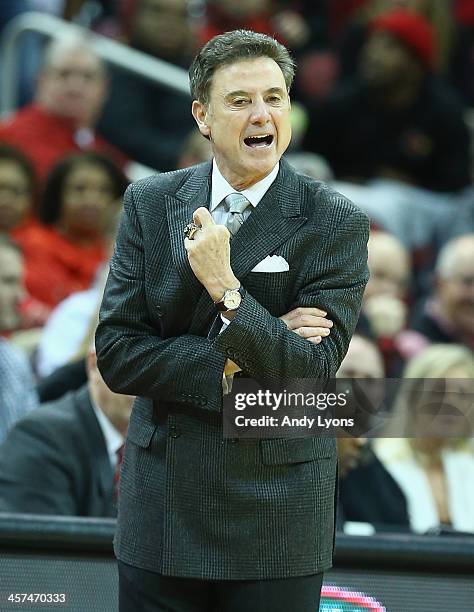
(272, 263)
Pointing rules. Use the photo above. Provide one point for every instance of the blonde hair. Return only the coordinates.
(434, 362)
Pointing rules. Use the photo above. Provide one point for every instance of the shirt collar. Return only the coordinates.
(113, 438)
(221, 188)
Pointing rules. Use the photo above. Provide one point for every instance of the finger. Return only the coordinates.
(312, 321)
(315, 339)
(202, 217)
(308, 332)
(309, 321)
(303, 311)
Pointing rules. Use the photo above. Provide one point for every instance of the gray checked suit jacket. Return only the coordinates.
(194, 504)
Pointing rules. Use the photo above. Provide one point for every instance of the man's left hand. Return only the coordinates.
(209, 255)
(309, 323)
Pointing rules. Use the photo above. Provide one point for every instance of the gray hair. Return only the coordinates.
(62, 45)
(447, 261)
(232, 47)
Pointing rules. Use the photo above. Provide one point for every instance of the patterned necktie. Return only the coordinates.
(235, 204)
(118, 466)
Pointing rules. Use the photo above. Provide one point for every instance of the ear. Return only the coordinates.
(199, 111)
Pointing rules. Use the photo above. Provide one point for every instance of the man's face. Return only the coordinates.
(362, 374)
(456, 293)
(11, 287)
(385, 277)
(247, 119)
(73, 86)
(162, 28)
(387, 61)
(15, 195)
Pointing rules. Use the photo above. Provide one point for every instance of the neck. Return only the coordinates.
(240, 183)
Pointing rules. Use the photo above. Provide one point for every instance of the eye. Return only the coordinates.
(274, 99)
(239, 101)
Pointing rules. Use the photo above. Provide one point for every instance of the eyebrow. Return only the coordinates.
(241, 92)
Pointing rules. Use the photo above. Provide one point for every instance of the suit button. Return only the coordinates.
(174, 432)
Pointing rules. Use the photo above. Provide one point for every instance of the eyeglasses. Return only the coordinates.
(65, 74)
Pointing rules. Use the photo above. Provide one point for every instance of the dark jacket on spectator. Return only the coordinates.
(369, 494)
(55, 461)
(427, 142)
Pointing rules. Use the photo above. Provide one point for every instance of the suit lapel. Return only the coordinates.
(193, 193)
(273, 222)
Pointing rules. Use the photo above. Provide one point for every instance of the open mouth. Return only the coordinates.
(257, 142)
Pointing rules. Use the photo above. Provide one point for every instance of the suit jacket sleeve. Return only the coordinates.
(131, 356)
(264, 347)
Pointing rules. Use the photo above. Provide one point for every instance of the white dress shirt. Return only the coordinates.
(113, 438)
(220, 189)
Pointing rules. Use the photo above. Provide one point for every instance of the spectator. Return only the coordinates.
(79, 211)
(71, 90)
(17, 394)
(394, 119)
(367, 492)
(438, 14)
(17, 188)
(447, 315)
(433, 463)
(386, 301)
(147, 121)
(278, 19)
(62, 458)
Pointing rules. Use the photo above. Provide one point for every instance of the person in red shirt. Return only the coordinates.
(72, 88)
(78, 212)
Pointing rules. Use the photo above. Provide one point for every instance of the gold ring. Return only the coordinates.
(190, 230)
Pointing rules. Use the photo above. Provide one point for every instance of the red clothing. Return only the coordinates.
(45, 138)
(218, 22)
(55, 267)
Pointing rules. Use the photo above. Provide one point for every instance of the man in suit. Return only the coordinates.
(208, 523)
(63, 458)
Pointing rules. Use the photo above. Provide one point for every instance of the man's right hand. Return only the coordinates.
(309, 323)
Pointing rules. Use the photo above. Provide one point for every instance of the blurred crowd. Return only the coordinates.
(382, 110)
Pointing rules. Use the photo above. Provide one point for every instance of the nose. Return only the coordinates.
(260, 113)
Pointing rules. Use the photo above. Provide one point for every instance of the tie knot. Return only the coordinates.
(236, 203)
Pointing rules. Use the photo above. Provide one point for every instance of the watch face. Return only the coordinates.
(232, 300)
